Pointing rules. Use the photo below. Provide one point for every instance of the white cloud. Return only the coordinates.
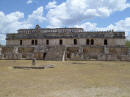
(29, 1)
(37, 15)
(87, 26)
(128, 37)
(10, 23)
(15, 20)
(122, 25)
(74, 11)
(51, 5)
(2, 40)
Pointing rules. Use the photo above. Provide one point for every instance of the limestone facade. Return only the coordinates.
(66, 42)
(77, 44)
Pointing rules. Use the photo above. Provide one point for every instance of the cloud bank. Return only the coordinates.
(11, 22)
(71, 13)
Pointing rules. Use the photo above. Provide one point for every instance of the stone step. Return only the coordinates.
(55, 53)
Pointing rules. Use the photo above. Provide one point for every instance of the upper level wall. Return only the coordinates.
(40, 35)
(48, 30)
(67, 35)
(66, 42)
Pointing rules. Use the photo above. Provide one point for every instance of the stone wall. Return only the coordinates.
(67, 42)
(71, 53)
(12, 42)
(97, 53)
(45, 30)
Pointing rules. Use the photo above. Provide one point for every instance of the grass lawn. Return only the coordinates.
(67, 79)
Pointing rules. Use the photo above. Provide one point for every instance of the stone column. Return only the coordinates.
(15, 50)
(34, 62)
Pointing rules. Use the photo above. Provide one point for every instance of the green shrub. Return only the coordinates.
(128, 43)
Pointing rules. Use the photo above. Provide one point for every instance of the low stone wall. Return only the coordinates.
(97, 53)
(71, 53)
(11, 56)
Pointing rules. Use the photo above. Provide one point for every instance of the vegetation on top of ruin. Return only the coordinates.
(128, 43)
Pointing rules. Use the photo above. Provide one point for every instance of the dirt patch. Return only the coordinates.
(92, 79)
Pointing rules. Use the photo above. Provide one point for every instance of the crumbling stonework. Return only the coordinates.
(71, 53)
(77, 44)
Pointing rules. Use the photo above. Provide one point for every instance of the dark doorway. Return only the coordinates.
(32, 42)
(35, 42)
(68, 55)
(21, 42)
(75, 41)
(92, 42)
(105, 42)
(87, 42)
(44, 56)
(60, 42)
(47, 42)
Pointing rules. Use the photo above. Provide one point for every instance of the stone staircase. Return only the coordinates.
(55, 53)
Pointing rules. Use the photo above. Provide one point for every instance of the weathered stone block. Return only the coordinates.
(124, 57)
(111, 58)
(101, 57)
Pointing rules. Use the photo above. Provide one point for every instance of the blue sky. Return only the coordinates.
(92, 15)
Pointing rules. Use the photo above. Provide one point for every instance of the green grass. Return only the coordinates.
(128, 43)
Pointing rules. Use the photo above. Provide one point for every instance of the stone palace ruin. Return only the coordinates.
(65, 43)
